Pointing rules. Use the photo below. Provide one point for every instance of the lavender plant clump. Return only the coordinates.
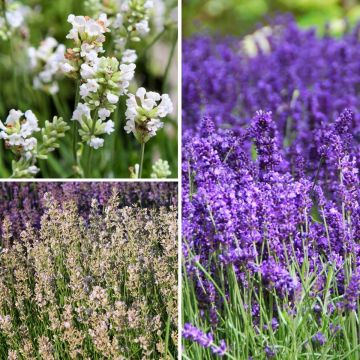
(95, 279)
(271, 216)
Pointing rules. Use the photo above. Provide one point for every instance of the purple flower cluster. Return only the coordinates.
(264, 133)
(319, 338)
(352, 293)
(304, 80)
(282, 186)
(24, 202)
(205, 340)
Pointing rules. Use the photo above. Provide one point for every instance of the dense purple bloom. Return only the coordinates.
(276, 277)
(23, 202)
(304, 80)
(263, 130)
(219, 350)
(271, 170)
(191, 332)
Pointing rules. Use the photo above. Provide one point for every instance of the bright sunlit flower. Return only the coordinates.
(85, 28)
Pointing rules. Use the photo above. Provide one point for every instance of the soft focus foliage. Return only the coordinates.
(271, 196)
(80, 62)
(99, 283)
(240, 16)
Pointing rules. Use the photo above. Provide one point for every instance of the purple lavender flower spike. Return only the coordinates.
(263, 130)
(352, 293)
(319, 338)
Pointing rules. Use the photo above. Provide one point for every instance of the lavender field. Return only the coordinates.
(271, 215)
(88, 271)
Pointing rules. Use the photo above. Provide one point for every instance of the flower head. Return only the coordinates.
(105, 80)
(143, 112)
(18, 129)
(88, 36)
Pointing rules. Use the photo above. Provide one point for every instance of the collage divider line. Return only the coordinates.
(179, 108)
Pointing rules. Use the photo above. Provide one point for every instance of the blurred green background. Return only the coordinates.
(156, 70)
(241, 16)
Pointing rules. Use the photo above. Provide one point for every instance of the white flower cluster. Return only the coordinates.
(18, 130)
(18, 133)
(14, 18)
(88, 36)
(128, 19)
(46, 63)
(104, 82)
(134, 16)
(160, 170)
(143, 113)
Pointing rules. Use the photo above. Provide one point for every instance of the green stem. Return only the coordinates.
(75, 124)
(88, 163)
(58, 106)
(90, 155)
(141, 159)
(154, 41)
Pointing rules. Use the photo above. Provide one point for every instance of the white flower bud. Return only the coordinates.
(113, 99)
(96, 142)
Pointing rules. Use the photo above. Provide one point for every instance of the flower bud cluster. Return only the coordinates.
(160, 170)
(46, 62)
(143, 112)
(206, 340)
(104, 82)
(133, 18)
(18, 133)
(129, 19)
(88, 36)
